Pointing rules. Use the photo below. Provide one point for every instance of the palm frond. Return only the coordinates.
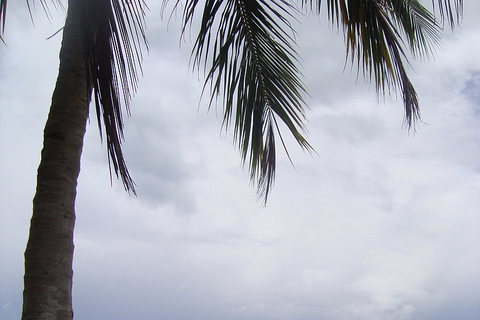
(3, 15)
(113, 35)
(252, 70)
(374, 32)
(450, 10)
(418, 25)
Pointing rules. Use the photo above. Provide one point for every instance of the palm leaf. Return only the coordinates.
(374, 32)
(418, 25)
(451, 10)
(3, 17)
(252, 69)
(114, 31)
(377, 33)
(3, 14)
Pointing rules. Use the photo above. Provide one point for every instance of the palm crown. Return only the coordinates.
(248, 51)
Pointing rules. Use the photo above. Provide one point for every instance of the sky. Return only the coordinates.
(381, 223)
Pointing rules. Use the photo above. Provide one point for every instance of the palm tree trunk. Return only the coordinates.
(49, 253)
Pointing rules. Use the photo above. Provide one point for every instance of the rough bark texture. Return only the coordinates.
(49, 253)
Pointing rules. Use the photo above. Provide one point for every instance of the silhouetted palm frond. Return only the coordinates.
(374, 32)
(450, 10)
(251, 67)
(3, 15)
(114, 33)
(418, 25)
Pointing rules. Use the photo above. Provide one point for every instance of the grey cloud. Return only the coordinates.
(381, 225)
(156, 161)
(471, 90)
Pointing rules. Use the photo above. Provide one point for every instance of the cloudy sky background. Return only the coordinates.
(381, 224)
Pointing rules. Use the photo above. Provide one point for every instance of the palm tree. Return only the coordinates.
(247, 49)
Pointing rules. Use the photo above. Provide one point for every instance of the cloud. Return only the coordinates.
(381, 224)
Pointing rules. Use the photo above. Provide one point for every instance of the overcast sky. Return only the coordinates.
(382, 224)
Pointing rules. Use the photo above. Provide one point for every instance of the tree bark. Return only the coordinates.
(49, 253)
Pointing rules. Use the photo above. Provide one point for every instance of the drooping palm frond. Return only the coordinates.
(3, 14)
(251, 67)
(374, 32)
(3, 17)
(450, 10)
(418, 25)
(113, 35)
